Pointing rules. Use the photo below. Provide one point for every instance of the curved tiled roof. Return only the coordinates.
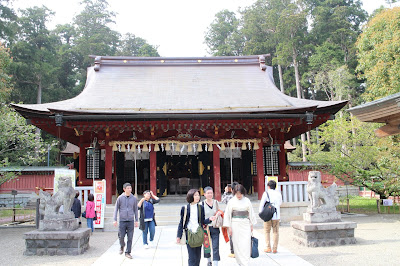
(129, 85)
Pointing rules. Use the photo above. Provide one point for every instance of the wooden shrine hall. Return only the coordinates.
(170, 124)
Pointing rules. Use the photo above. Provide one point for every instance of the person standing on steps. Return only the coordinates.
(147, 222)
(127, 206)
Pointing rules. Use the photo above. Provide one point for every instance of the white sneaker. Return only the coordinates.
(146, 246)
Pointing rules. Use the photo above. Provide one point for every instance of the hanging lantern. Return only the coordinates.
(256, 146)
(210, 148)
(123, 148)
(145, 148)
(114, 147)
(167, 147)
(199, 148)
(244, 147)
(232, 145)
(222, 146)
(156, 148)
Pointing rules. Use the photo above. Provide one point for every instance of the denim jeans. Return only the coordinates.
(214, 235)
(126, 227)
(148, 227)
(194, 255)
(89, 223)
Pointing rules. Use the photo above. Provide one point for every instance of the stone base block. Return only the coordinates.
(57, 242)
(324, 234)
(322, 217)
(59, 224)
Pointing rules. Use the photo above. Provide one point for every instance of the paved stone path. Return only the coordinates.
(166, 252)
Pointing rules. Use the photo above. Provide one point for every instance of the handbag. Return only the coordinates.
(218, 222)
(95, 216)
(84, 214)
(254, 247)
(196, 239)
(268, 211)
(183, 238)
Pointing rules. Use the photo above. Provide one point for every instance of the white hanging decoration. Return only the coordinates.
(205, 147)
(194, 148)
(119, 147)
(162, 147)
(129, 148)
(219, 147)
(173, 146)
(183, 147)
(139, 150)
(149, 147)
(249, 146)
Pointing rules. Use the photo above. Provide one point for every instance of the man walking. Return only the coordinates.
(128, 218)
(275, 198)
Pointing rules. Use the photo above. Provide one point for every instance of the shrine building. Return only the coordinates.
(170, 124)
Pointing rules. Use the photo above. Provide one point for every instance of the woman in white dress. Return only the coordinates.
(240, 218)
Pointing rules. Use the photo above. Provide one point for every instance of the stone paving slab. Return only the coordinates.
(166, 252)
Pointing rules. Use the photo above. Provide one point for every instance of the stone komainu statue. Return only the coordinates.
(321, 198)
(50, 205)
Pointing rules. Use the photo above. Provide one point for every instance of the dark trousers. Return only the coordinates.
(126, 227)
(194, 255)
(214, 234)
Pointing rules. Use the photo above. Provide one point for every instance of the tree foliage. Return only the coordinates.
(359, 157)
(379, 54)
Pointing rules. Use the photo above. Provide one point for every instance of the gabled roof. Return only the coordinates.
(208, 85)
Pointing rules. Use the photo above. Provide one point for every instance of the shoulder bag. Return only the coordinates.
(268, 211)
(217, 223)
(196, 239)
(254, 247)
(183, 238)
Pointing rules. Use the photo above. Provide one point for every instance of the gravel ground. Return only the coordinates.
(378, 243)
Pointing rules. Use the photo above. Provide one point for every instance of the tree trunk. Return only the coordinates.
(281, 79)
(298, 89)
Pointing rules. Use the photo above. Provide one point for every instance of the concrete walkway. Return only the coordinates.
(166, 252)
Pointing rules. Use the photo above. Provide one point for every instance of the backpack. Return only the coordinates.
(268, 211)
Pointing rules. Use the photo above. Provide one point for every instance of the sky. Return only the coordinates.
(177, 27)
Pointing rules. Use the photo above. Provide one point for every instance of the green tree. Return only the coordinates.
(93, 35)
(379, 54)
(359, 157)
(7, 22)
(19, 144)
(223, 36)
(132, 45)
(35, 65)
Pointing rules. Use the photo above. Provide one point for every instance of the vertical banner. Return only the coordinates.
(63, 173)
(100, 202)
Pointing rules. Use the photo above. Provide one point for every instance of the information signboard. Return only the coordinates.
(100, 202)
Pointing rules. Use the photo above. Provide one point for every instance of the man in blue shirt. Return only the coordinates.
(127, 207)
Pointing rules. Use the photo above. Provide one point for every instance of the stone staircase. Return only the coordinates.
(168, 212)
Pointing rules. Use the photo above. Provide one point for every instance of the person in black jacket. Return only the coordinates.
(192, 222)
(147, 220)
(77, 207)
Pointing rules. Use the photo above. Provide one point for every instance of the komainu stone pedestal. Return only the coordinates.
(324, 234)
(57, 242)
(59, 225)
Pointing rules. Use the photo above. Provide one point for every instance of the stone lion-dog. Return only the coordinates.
(319, 196)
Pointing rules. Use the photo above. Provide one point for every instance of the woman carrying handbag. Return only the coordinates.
(191, 224)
